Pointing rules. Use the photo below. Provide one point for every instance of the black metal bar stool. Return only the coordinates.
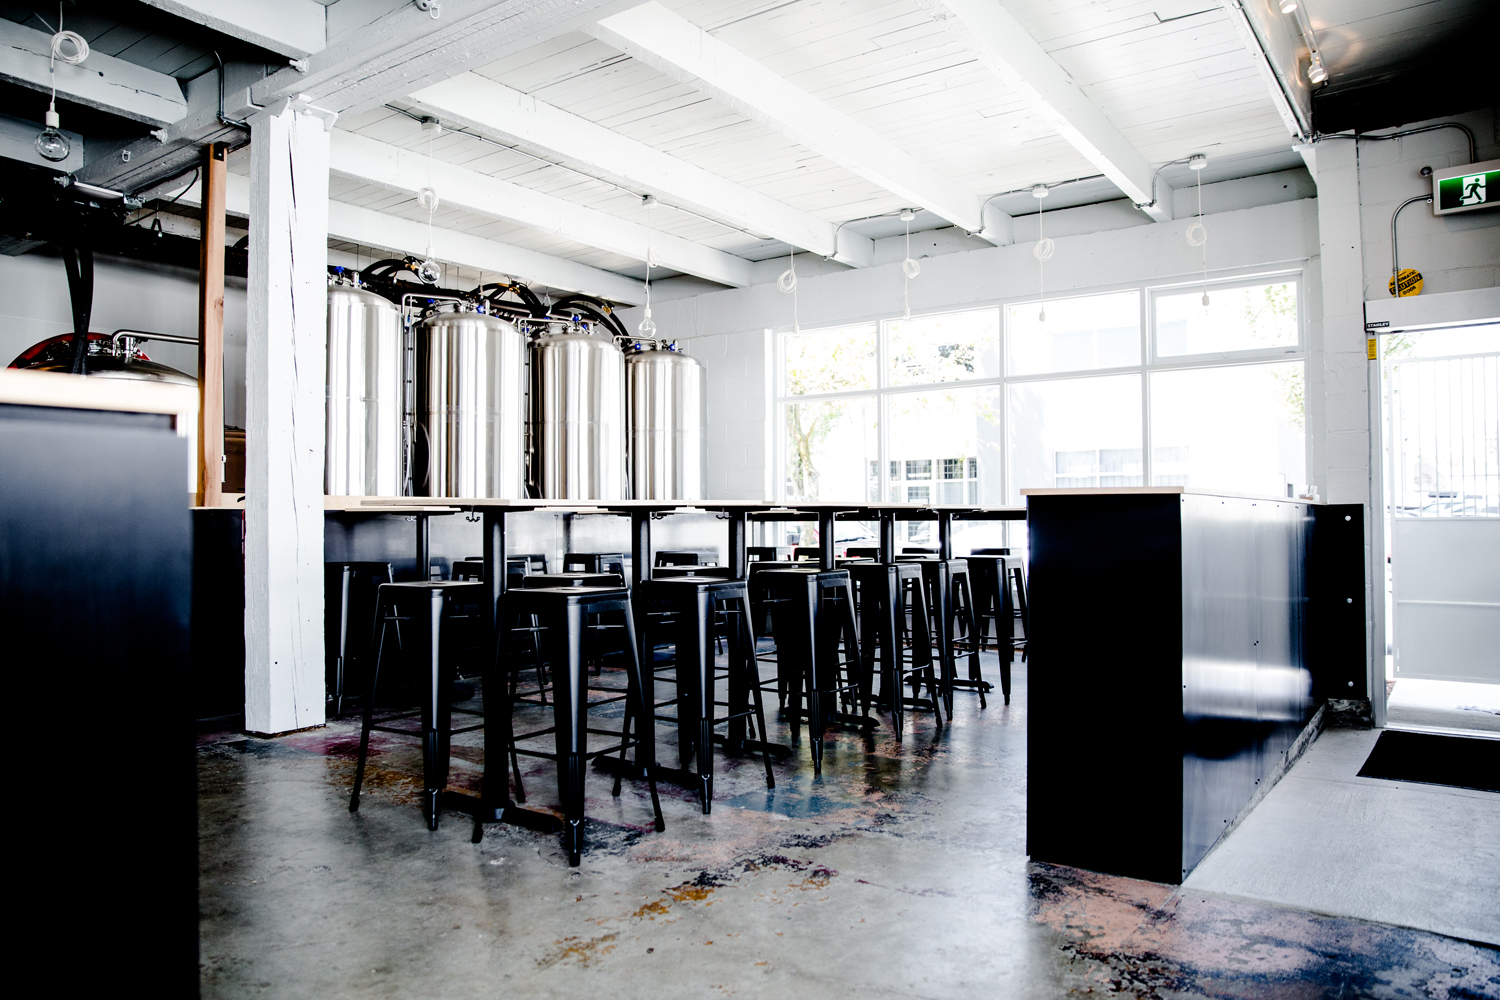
(961, 604)
(429, 608)
(938, 575)
(814, 610)
(562, 612)
(992, 602)
(354, 586)
(692, 607)
(890, 594)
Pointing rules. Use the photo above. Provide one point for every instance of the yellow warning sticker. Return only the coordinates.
(1372, 348)
(1411, 283)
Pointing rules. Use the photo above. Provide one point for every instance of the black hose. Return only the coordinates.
(79, 263)
(599, 310)
(533, 304)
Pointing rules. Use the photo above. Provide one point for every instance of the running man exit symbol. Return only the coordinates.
(1473, 188)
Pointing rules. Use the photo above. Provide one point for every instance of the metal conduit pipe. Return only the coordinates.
(1395, 262)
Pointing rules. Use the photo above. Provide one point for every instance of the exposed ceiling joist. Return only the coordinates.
(397, 169)
(100, 81)
(293, 28)
(494, 109)
(1007, 49)
(402, 236)
(377, 50)
(681, 50)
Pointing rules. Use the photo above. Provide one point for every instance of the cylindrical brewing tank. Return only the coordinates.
(471, 407)
(668, 414)
(577, 418)
(366, 401)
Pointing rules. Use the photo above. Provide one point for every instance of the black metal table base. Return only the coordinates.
(509, 813)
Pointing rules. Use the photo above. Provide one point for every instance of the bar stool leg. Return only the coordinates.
(570, 713)
(853, 661)
(364, 730)
(706, 640)
(645, 754)
(434, 728)
(964, 609)
(743, 631)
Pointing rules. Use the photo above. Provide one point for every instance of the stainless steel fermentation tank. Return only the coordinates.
(668, 416)
(577, 418)
(470, 407)
(366, 399)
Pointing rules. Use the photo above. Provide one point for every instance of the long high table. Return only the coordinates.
(494, 804)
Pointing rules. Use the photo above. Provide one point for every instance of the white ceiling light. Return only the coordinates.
(1287, 6)
(1315, 71)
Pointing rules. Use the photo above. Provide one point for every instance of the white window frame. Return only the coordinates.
(1294, 272)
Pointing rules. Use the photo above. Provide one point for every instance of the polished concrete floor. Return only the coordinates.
(900, 872)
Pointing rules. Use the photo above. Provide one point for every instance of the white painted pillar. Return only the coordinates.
(286, 335)
(1349, 463)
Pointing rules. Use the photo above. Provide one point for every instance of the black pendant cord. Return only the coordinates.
(79, 262)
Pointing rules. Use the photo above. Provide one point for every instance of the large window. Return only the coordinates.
(1175, 385)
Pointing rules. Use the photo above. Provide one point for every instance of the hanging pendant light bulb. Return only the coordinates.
(910, 268)
(50, 143)
(1197, 234)
(429, 270)
(71, 48)
(787, 284)
(1042, 251)
(647, 327)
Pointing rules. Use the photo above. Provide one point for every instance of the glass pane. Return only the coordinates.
(1097, 331)
(1234, 429)
(946, 348)
(946, 442)
(1077, 432)
(1235, 319)
(829, 360)
(830, 449)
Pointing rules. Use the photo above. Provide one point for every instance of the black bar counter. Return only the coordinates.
(1179, 645)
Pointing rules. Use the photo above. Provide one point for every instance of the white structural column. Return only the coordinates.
(994, 35)
(1345, 453)
(286, 336)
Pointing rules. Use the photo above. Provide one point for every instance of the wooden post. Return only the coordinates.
(285, 368)
(211, 330)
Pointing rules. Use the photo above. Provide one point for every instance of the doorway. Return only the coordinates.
(1441, 402)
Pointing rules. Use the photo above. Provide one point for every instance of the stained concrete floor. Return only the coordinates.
(900, 872)
(1421, 855)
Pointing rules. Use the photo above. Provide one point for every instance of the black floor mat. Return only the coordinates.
(1460, 761)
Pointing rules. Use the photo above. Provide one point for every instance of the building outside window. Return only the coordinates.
(1129, 387)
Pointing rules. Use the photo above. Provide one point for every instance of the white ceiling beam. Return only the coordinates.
(402, 236)
(1007, 49)
(377, 50)
(375, 53)
(371, 162)
(100, 81)
(293, 28)
(681, 50)
(493, 109)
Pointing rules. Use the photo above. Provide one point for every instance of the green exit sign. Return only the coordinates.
(1463, 189)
